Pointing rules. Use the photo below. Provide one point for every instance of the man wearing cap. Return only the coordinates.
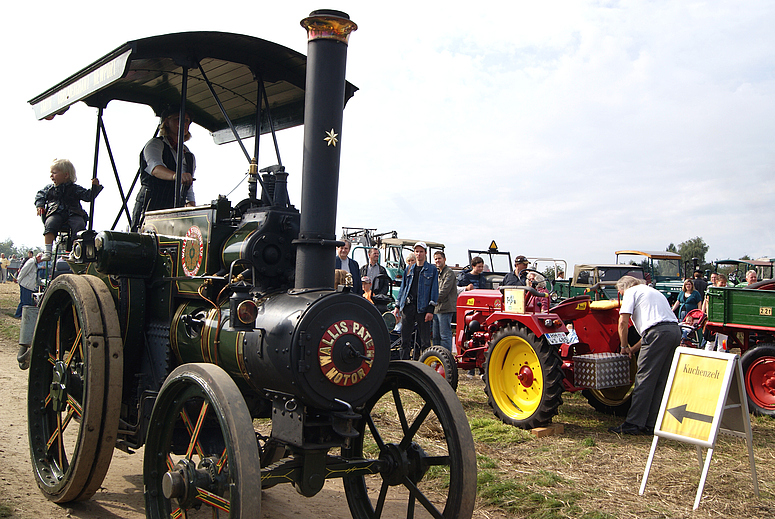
(517, 278)
(158, 164)
(417, 299)
(366, 284)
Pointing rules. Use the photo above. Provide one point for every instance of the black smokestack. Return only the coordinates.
(327, 32)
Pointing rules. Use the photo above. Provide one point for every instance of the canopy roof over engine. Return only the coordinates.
(150, 71)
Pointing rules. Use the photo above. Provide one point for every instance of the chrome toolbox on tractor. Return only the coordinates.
(602, 370)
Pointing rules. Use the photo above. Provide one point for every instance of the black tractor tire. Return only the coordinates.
(523, 378)
(443, 362)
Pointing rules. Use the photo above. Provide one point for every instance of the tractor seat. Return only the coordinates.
(604, 305)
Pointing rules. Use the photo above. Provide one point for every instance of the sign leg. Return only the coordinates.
(703, 478)
(648, 465)
(699, 455)
(747, 427)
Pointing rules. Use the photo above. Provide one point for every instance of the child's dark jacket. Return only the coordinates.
(65, 199)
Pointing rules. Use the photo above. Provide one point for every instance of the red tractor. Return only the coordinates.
(527, 355)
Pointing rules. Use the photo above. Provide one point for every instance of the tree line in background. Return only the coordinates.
(695, 248)
(8, 248)
(689, 249)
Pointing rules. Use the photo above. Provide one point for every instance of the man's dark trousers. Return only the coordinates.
(409, 317)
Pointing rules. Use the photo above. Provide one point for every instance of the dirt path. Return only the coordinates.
(121, 494)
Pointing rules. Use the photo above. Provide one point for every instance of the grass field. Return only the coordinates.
(585, 472)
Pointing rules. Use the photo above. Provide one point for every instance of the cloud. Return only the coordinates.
(568, 129)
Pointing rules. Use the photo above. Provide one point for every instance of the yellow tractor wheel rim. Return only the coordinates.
(435, 362)
(515, 377)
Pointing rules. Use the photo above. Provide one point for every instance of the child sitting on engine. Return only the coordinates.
(60, 203)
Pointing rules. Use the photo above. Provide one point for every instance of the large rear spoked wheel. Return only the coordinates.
(523, 378)
(74, 392)
(201, 455)
(418, 430)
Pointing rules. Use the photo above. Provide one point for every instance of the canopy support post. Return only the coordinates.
(94, 170)
(223, 111)
(271, 126)
(124, 199)
(257, 140)
(179, 198)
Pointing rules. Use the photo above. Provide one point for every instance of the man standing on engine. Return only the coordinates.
(417, 299)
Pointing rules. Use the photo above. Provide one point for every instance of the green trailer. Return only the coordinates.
(745, 316)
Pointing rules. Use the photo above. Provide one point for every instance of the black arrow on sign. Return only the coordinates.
(680, 413)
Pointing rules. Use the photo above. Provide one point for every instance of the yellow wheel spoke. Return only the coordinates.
(190, 429)
(61, 426)
(76, 345)
(194, 443)
(214, 500)
(75, 405)
(222, 461)
(60, 445)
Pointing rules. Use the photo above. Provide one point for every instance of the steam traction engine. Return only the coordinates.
(215, 338)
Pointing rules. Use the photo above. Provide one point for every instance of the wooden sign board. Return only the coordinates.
(704, 395)
(695, 397)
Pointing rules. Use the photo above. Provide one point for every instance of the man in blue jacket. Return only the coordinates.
(348, 264)
(417, 300)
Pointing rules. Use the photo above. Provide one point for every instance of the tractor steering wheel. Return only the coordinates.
(539, 279)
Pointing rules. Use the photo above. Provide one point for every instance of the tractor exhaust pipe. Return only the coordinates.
(327, 33)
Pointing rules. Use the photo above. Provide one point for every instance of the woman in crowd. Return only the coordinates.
(688, 300)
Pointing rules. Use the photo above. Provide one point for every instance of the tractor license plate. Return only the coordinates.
(556, 337)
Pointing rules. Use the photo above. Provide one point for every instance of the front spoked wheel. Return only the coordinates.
(74, 392)
(416, 427)
(201, 455)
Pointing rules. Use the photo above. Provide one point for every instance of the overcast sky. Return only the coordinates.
(562, 129)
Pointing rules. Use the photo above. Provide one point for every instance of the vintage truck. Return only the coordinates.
(735, 269)
(662, 269)
(598, 280)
